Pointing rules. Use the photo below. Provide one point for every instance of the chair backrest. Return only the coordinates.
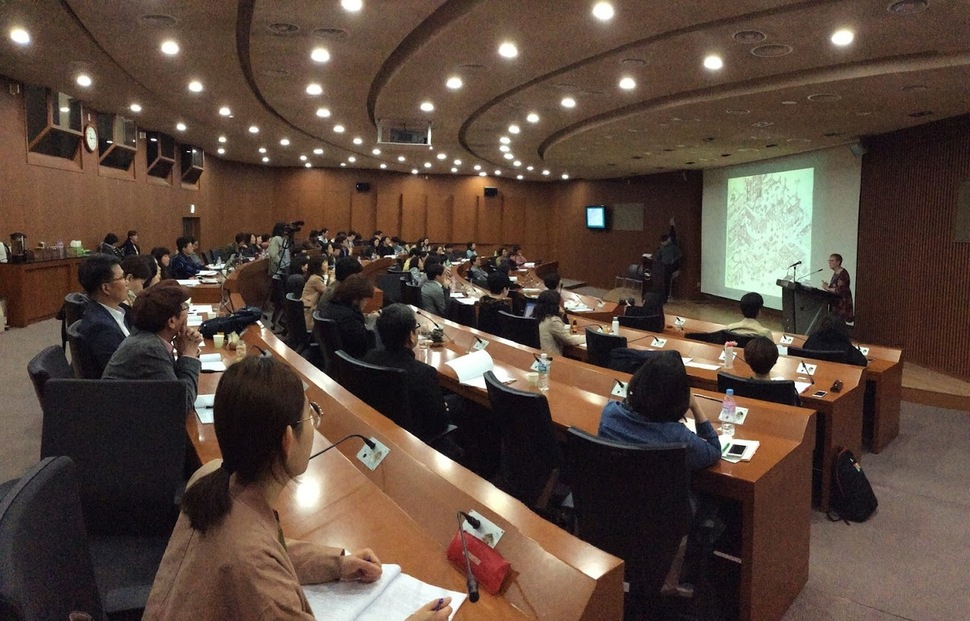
(634, 271)
(741, 339)
(297, 337)
(46, 563)
(488, 319)
(71, 311)
(777, 391)
(829, 355)
(518, 302)
(522, 330)
(651, 323)
(599, 345)
(382, 388)
(327, 335)
(127, 439)
(82, 358)
(390, 284)
(411, 294)
(630, 360)
(530, 454)
(640, 518)
(50, 363)
(718, 337)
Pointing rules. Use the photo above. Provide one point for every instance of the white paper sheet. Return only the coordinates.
(471, 365)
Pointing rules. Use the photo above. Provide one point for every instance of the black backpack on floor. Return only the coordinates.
(852, 497)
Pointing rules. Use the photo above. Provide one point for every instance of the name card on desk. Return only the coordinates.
(479, 345)
(786, 339)
(679, 322)
(619, 389)
(658, 342)
(740, 414)
(804, 367)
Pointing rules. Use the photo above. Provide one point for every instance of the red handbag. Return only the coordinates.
(488, 566)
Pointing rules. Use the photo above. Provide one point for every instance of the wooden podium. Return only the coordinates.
(802, 306)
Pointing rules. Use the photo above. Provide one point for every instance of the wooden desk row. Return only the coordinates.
(405, 510)
(883, 376)
(773, 491)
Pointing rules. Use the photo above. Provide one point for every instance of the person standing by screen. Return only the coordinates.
(839, 285)
(669, 255)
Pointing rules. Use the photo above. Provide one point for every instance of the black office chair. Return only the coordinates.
(50, 363)
(647, 323)
(327, 335)
(641, 519)
(599, 345)
(630, 360)
(531, 459)
(82, 359)
(71, 311)
(522, 330)
(488, 316)
(518, 302)
(382, 388)
(829, 355)
(741, 339)
(718, 337)
(46, 563)
(297, 336)
(411, 294)
(776, 391)
(390, 284)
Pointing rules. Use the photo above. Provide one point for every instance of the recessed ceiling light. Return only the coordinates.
(508, 50)
(225, 111)
(508, 156)
(338, 128)
(545, 172)
(519, 177)
(454, 83)
(320, 55)
(170, 48)
(221, 151)
(401, 158)
(442, 156)
(498, 173)
(628, 84)
(303, 158)
(565, 176)
(713, 62)
(603, 11)
(253, 129)
(532, 118)
(195, 86)
(453, 169)
(504, 139)
(351, 159)
(84, 80)
(318, 151)
(308, 165)
(568, 102)
(358, 140)
(314, 89)
(181, 127)
(222, 138)
(323, 113)
(262, 149)
(285, 142)
(478, 166)
(265, 160)
(516, 163)
(457, 162)
(427, 106)
(514, 129)
(427, 164)
(375, 151)
(135, 107)
(843, 37)
(483, 174)
(414, 171)
(65, 109)
(504, 148)
(789, 102)
(530, 168)
(20, 36)
(383, 165)
(343, 164)
(352, 5)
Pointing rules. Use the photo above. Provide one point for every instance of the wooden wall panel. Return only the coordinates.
(513, 219)
(913, 280)
(490, 219)
(414, 215)
(363, 212)
(465, 220)
(388, 212)
(441, 208)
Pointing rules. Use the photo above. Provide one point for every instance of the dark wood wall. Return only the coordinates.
(913, 285)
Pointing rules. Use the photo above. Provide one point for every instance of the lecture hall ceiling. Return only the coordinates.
(783, 86)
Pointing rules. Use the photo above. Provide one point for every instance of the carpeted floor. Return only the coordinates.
(906, 562)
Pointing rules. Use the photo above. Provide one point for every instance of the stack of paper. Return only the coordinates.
(471, 369)
(203, 408)
(212, 363)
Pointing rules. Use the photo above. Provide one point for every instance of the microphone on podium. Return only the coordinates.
(367, 441)
(810, 274)
(795, 264)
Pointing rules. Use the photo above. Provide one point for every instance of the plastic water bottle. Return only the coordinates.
(729, 355)
(728, 413)
(543, 371)
(615, 326)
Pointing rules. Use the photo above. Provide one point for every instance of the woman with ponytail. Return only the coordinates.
(228, 558)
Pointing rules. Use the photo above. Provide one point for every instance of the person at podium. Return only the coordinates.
(839, 285)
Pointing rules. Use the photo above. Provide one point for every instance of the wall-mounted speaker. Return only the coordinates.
(363, 187)
(491, 192)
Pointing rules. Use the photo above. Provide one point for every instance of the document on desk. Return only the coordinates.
(701, 365)
(801, 386)
(394, 597)
(471, 369)
(203, 408)
(212, 363)
(576, 307)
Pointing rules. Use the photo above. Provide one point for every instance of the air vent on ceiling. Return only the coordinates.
(737, 111)
(763, 124)
(912, 88)
(276, 73)
(832, 134)
(749, 36)
(908, 7)
(331, 33)
(472, 66)
(921, 113)
(158, 21)
(824, 97)
(633, 62)
(771, 50)
(282, 28)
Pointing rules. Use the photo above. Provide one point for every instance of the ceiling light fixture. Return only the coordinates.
(84, 80)
(505, 140)
(453, 169)
(843, 37)
(318, 151)
(427, 164)
(628, 83)
(135, 107)
(170, 48)
(195, 86)
(181, 127)
(603, 11)
(483, 174)
(314, 89)
(427, 106)
(498, 173)
(532, 118)
(358, 140)
(514, 129)
(222, 139)
(338, 128)
(504, 148)
(519, 177)
(320, 55)
(508, 156)
(545, 172)
(262, 149)
(351, 159)
(457, 162)
(265, 160)
(478, 166)
(20, 36)
(414, 171)
(508, 50)
(308, 165)
(442, 156)
(303, 158)
(221, 151)
(383, 165)
(285, 142)
(323, 113)
(568, 102)
(401, 158)
(713, 62)
(565, 176)
(454, 83)
(225, 111)
(352, 5)
(253, 129)
(375, 151)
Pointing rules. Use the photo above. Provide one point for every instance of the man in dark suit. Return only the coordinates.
(160, 317)
(105, 322)
(131, 246)
(182, 265)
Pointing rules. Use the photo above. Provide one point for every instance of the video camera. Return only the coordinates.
(293, 227)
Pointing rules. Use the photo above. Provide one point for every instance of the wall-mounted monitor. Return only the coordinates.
(597, 217)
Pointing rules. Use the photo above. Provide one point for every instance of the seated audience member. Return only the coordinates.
(227, 557)
(141, 272)
(553, 332)
(194, 253)
(312, 241)
(386, 249)
(182, 266)
(343, 268)
(497, 300)
(106, 324)
(657, 399)
(241, 249)
(551, 281)
(831, 334)
(160, 317)
(131, 246)
(416, 265)
(163, 258)
(453, 255)
(761, 354)
(314, 287)
(751, 304)
(470, 252)
(435, 293)
(109, 246)
(398, 329)
(346, 307)
(516, 256)
(477, 274)
(298, 275)
(502, 254)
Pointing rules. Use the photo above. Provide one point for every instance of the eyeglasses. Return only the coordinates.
(184, 306)
(122, 277)
(316, 415)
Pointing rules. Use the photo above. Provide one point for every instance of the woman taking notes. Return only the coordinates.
(227, 558)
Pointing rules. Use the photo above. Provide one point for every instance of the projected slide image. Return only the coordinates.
(768, 227)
